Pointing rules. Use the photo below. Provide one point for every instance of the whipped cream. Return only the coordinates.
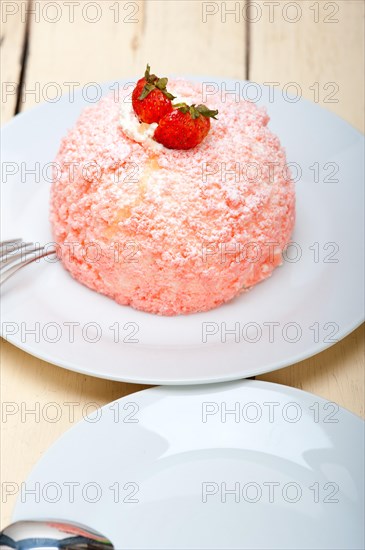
(140, 132)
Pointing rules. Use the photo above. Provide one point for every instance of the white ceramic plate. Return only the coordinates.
(305, 307)
(176, 468)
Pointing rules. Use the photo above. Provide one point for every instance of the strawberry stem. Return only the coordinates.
(153, 82)
(196, 111)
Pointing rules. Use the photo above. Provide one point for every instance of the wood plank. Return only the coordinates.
(171, 36)
(186, 40)
(325, 46)
(12, 36)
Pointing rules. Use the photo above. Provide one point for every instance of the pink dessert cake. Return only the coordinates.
(171, 231)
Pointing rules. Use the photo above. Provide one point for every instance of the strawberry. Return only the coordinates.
(185, 127)
(150, 99)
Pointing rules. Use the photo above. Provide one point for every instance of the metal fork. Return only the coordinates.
(15, 254)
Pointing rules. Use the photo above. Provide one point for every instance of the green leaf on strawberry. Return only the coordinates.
(184, 127)
(150, 98)
(153, 82)
(196, 111)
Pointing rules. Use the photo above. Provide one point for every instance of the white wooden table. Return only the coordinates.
(317, 45)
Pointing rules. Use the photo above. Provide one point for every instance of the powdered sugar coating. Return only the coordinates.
(156, 229)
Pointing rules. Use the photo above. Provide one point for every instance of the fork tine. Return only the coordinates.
(10, 248)
(12, 268)
(9, 245)
(7, 259)
(4, 243)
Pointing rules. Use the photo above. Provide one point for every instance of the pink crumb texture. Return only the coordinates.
(167, 231)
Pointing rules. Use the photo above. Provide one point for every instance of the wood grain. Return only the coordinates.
(12, 37)
(325, 46)
(108, 51)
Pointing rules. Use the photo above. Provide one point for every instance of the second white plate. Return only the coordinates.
(243, 465)
(310, 303)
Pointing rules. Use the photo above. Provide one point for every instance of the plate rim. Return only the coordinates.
(188, 350)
